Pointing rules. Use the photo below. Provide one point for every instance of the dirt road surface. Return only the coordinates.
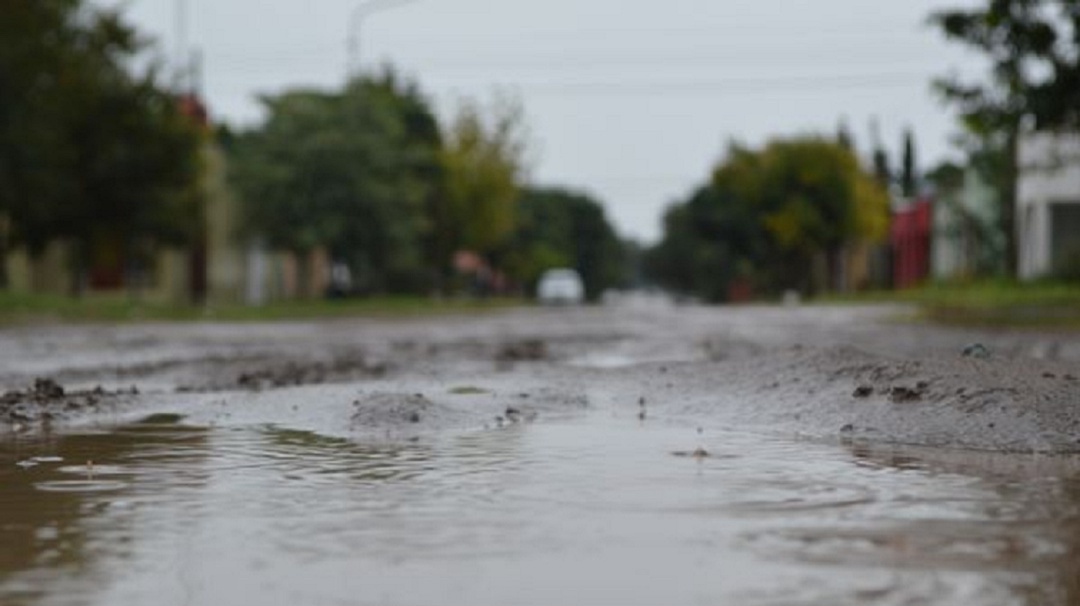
(849, 373)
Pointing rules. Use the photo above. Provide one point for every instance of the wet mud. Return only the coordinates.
(847, 373)
(36, 406)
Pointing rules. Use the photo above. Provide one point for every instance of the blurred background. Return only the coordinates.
(240, 153)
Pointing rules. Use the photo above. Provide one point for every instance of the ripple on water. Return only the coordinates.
(94, 470)
(80, 485)
(785, 498)
(947, 545)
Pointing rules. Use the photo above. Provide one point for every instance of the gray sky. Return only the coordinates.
(630, 101)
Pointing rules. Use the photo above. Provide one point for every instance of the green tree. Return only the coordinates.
(711, 241)
(880, 158)
(88, 148)
(909, 176)
(483, 162)
(766, 214)
(844, 137)
(351, 171)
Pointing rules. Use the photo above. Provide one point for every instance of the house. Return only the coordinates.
(1048, 205)
(965, 240)
(909, 236)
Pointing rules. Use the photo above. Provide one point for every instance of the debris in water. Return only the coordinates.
(467, 390)
(697, 453)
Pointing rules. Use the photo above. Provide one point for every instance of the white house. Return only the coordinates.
(966, 241)
(1048, 204)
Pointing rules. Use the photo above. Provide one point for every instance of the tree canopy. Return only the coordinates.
(765, 214)
(483, 159)
(87, 146)
(352, 171)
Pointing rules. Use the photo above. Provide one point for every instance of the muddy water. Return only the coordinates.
(600, 509)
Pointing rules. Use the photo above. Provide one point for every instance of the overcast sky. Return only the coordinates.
(630, 101)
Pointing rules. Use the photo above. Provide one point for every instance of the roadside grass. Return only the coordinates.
(987, 303)
(22, 308)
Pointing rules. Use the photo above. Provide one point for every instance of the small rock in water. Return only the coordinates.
(976, 350)
(48, 388)
(697, 453)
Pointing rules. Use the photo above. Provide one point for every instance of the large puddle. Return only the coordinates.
(594, 510)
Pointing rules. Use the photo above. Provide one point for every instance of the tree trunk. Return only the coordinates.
(4, 279)
(303, 275)
(79, 267)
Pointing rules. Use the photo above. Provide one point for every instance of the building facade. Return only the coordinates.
(1048, 205)
(909, 236)
(966, 241)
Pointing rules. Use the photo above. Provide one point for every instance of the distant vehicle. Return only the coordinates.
(560, 286)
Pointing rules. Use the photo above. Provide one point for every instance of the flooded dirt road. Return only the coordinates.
(637, 454)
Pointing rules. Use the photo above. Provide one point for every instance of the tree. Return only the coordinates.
(1030, 53)
(815, 198)
(765, 214)
(351, 171)
(882, 169)
(844, 137)
(909, 176)
(711, 241)
(88, 149)
(483, 162)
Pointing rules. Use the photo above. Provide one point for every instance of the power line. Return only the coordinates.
(820, 83)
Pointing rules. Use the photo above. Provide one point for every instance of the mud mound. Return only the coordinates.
(47, 400)
(1020, 405)
(397, 414)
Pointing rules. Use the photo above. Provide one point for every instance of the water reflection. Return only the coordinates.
(1028, 518)
(589, 510)
(66, 486)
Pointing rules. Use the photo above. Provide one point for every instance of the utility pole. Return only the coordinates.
(356, 19)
